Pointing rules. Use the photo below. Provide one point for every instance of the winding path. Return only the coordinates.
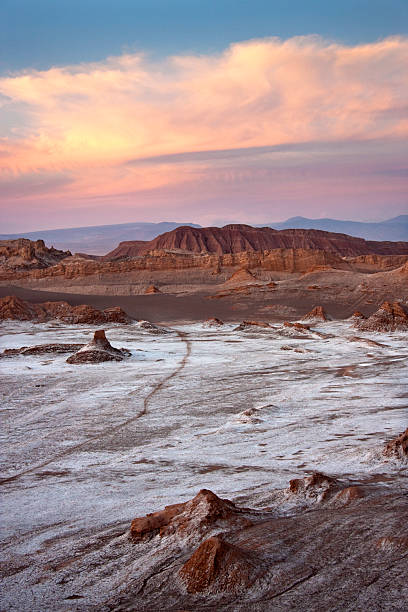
(108, 432)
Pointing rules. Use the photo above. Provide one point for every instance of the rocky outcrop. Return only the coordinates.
(317, 487)
(98, 350)
(296, 325)
(378, 263)
(238, 238)
(389, 317)
(252, 325)
(397, 448)
(151, 328)
(152, 289)
(192, 519)
(24, 254)
(213, 551)
(218, 566)
(317, 314)
(241, 277)
(12, 307)
(357, 316)
(213, 322)
(42, 349)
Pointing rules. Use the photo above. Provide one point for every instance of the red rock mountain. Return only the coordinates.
(238, 238)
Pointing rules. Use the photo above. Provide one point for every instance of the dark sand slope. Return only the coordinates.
(166, 308)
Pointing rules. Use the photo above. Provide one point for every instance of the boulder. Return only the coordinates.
(98, 350)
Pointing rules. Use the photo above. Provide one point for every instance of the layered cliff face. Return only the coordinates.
(238, 238)
(282, 260)
(24, 254)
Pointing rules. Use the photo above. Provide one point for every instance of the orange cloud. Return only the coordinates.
(88, 120)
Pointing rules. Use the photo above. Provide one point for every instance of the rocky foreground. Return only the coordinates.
(322, 543)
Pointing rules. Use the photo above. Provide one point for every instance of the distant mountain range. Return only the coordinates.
(98, 240)
(395, 229)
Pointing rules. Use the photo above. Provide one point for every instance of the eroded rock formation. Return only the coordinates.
(42, 349)
(98, 350)
(26, 254)
(389, 317)
(151, 328)
(152, 289)
(213, 322)
(191, 519)
(252, 325)
(12, 307)
(217, 566)
(318, 313)
(240, 277)
(218, 551)
(397, 448)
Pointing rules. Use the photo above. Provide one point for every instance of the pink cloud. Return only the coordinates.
(87, 121)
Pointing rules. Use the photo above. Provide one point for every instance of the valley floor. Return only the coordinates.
(86, 448)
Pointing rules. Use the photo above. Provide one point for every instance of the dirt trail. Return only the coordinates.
(108, 432)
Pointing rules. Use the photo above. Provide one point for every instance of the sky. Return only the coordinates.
(216, 111)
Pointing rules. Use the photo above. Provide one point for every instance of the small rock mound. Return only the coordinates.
(317, 314)
(11, 307)
(241, 277)
(98, 350)
(152, 289)
(357, 316)
(213, 322)
(252, 325)
(388, 318)
(296, 325)
(151, 328)
(397, 448)
(42, 349)
(317, 487)
(194, 518)
(217, 565)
